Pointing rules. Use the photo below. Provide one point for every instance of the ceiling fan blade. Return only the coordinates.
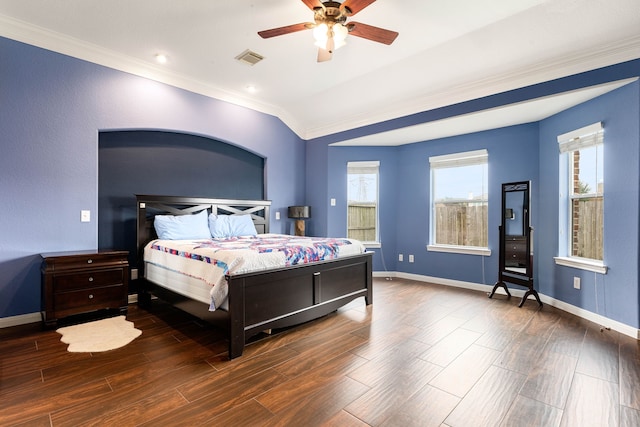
(370, 32)
(356, 5)
(311, 4)
(265, 34)
(324, 55)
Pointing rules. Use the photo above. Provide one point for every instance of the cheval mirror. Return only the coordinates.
(516, 256)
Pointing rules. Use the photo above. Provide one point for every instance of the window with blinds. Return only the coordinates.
(582, 151)
(362, 201)
(459, 200)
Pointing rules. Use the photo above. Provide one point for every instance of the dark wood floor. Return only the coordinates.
(422, 355)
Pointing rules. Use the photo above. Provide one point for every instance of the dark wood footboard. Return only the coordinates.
(262, 300)
(293, 295)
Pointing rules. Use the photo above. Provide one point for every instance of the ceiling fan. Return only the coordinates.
(330, 27)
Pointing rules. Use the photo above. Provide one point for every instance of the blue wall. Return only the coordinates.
(617, 291)
(405, 194)
(52, 109)
(516, 153)
(336, 179)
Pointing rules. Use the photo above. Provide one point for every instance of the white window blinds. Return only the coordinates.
(587, 136)
(363, 167)
(467, 158)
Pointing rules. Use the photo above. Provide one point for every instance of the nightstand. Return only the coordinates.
(82, 281)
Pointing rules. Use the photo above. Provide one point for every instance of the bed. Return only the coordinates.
(265, 299)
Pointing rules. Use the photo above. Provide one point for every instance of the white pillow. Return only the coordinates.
(222, 226)
(182, 227)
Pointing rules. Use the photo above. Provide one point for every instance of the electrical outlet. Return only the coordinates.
(134, 273)
(576, 282)
(400, 257)
(410, 258)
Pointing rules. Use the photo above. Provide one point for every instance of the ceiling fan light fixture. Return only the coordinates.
(339, 35)
(322, 33)
(330, 27)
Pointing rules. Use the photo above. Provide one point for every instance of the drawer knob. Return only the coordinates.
(89, 261)
(90, 296)
(91, 279)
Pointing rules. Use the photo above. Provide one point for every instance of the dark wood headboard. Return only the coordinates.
(150, 206)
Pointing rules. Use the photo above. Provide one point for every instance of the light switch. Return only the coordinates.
(85, 216)
(277, 215)
(333, 202)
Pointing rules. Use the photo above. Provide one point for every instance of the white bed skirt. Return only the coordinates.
(189, 287)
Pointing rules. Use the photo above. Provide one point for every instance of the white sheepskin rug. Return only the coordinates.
(100, 335)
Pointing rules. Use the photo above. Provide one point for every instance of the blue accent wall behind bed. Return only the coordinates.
(170, 164)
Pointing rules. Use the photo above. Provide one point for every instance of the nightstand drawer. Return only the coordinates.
(66, 282)
(89, 299)
(84, 261)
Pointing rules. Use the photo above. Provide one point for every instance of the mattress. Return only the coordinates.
(198, 268)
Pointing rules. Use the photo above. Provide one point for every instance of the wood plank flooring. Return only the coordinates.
(422, 355)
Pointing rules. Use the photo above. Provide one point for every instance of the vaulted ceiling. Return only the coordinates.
(446, 52)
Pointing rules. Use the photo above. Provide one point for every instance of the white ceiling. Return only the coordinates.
(447, 52)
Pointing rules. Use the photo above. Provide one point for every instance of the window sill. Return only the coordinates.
(582, 264)
(466, 250)
(371, 244)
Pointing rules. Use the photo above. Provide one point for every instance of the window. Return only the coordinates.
(581, 161)
(362, 201)
(459, 201)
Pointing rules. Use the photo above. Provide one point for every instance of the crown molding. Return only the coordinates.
(604, 55)
(24, 32)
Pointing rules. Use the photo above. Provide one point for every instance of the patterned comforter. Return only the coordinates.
(211, 260)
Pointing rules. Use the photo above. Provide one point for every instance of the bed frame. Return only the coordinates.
(270, 299)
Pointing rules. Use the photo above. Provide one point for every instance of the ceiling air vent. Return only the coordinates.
(249, 57)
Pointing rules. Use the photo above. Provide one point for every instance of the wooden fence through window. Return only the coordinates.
(461, 224)
(465, 224)
(588, 224)
(362, 221)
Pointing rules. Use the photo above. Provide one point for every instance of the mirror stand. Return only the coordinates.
(516, 256)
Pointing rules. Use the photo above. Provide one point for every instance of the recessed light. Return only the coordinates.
(251, 88)
(161, 58)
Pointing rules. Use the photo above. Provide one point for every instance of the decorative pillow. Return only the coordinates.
(182, 227)
(222, 226)
(242, 225)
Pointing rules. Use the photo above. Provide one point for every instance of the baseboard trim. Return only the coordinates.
(605, 322)
(22, 319)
